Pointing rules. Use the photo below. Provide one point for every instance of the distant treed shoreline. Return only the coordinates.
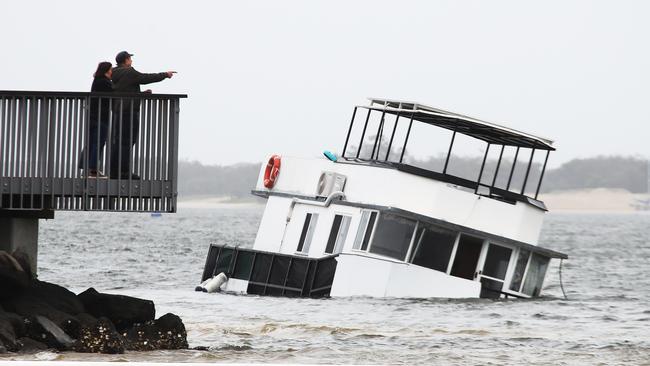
(618, 172)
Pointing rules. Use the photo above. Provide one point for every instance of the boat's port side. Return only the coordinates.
(384, 251)
(404, 256)
(263, 273)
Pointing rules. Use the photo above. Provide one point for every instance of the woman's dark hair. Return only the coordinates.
(102, 69)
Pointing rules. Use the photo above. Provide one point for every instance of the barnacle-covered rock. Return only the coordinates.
(167, 332)
(99, 337)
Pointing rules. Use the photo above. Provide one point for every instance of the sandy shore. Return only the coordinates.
(218, 202)
(593, 200)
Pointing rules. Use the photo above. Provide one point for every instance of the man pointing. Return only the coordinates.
(126, 125)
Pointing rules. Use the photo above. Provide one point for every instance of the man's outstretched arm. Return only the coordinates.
(142, 78)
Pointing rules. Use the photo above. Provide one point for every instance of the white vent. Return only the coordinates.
(330, 182)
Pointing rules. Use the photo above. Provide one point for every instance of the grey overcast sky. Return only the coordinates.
(282, 76)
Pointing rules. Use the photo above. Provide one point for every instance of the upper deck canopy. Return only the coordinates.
(486, 131)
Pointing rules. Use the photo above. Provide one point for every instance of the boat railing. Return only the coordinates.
(46, 161)
(379, 144)
(270, 273)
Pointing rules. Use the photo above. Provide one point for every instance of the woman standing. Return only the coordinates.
(99, 120)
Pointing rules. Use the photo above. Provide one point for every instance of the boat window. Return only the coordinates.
(520, 267)
(466, 259)
(393, 236)
(433, 247)
(366, 224)
(496, 261)
(307, 232)
(535, 275)
(343, 234)
(338, 234)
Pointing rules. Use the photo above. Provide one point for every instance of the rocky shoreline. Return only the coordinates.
(37, 315)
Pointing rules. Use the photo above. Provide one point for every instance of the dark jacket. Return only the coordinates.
(103, 85)
(128, 79)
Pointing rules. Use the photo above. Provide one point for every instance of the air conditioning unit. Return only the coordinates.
(330, 182)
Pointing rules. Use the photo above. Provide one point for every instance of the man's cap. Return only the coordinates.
(122, 56)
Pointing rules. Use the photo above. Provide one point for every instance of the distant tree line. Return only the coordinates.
(235, 180)
(629, 173)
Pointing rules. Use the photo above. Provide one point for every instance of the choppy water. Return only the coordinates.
(605, 321)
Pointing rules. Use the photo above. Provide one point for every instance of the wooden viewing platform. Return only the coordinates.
(45, 159)
(43, 136)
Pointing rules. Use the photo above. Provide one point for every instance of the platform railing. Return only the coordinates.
(46, 144)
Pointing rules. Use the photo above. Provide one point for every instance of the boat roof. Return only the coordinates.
(487, 131)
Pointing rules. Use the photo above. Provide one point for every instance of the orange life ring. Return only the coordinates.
(272, 171)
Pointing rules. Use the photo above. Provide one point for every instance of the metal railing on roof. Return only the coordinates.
(371, 148)
(46, 144)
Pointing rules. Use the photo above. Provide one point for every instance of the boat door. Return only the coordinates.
(493, 274)
(467, 255)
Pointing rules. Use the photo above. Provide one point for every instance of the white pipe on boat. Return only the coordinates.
(201, 287)
(213, 284)
(326, 203)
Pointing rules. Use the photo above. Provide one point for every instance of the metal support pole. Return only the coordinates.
(530, 162)
(541, 177)
(512, 170)
(408, 133)
(392, 136)
(451, 144)
(381, 124)
(496, 172)
(363, 133)
(480, 174)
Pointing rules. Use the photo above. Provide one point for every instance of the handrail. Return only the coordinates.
(313, 269)
(52, 143)
(30, 93)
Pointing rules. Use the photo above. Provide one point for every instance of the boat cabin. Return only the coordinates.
(379, 221)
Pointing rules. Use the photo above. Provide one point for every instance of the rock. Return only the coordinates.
(16, 321)
(28, 345)
(123, 311)
(99, 337)
(56, 296)
(25, 262)
(29, 307)
(167, 332)
(42, 329)
(86, 319)
(3, 349)
(13, 279)
(8, 336)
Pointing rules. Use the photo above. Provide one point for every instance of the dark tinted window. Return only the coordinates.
(490, 289)
(343, 234)
(331, 241)
(520, 267)
(307, 232)
(496, 261)
(303, 234)
(535, 275)
(433, 247)
(371, 225)
(467, 254)
(392, 236)
(361, 230)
